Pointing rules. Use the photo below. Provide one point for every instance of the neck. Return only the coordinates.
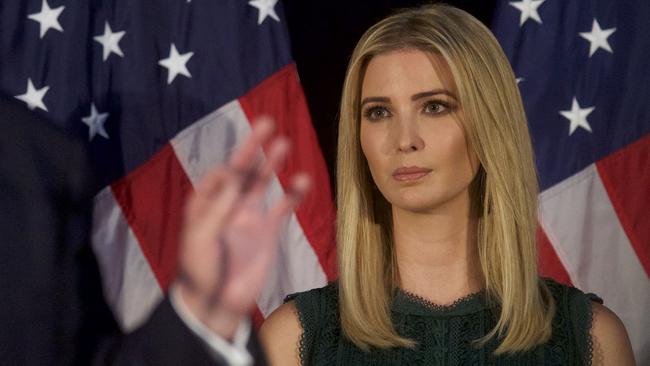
(436, 252)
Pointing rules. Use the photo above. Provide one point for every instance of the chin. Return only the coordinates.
(416, 208)
(426, 202)
(414, 203)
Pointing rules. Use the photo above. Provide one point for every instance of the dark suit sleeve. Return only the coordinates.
(52, 310)
(164, 331)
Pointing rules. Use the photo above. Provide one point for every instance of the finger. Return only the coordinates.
(244, 157)
(200, 198)
(300, 185)
(218, 208)
(276, 156)
(219, 190)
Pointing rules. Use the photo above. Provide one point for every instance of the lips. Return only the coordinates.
(412, 173)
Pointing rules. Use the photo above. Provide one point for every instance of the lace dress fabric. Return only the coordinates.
(445, 335)
(438, 307)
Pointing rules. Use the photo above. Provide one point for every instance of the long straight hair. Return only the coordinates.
(504, 191)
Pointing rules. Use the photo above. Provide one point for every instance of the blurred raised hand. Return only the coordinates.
(230, 237)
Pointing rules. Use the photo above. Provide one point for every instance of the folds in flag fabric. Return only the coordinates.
(583, 74)
(164, 90)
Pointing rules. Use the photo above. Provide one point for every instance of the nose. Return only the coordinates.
(408, 136)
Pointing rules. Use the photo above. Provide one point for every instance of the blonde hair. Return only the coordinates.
(505, 189)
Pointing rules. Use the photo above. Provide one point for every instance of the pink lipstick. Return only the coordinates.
(411, 173)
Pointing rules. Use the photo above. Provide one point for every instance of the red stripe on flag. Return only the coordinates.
(281, 97)
(626, 177)
(152, 198)
(257, 316)
(549, 263)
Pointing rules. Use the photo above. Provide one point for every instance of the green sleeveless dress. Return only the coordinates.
(444, 334)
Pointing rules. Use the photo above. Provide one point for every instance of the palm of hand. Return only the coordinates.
(249, 246)
(229, 238)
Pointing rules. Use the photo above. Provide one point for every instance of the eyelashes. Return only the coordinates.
(374, 113)
(437, 107)
(434, 107)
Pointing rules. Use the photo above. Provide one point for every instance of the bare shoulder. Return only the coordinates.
(611, 344)
(280, 334)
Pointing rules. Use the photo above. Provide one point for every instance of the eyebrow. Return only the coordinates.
(413, 98)
(432, 93)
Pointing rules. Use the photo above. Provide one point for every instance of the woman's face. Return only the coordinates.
(411, 132)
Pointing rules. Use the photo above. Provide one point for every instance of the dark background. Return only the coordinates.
(323, 35)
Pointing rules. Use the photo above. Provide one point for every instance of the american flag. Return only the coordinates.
(163, 90)
(582, 67)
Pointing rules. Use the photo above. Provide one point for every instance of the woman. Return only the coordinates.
(437, 208)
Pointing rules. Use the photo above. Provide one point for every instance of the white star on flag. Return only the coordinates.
(95, 122)
(48, 18)
(528, 9)
(598, 38)
(577, 116)
(110, 41)
(34, 97)
(266, 8)
(175, 64)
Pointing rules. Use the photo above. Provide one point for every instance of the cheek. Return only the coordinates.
(371, 140)
(467, 168)
(456, 153)
(370, 146)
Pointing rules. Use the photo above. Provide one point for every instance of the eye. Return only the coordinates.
(376, 113)
(436, 107)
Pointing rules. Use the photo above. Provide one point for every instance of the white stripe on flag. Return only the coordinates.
(208, 142)
(297, 269)
(130, 286)
(584, 229)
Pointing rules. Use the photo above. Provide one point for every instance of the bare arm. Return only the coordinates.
(280, 335)
(611, 344)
